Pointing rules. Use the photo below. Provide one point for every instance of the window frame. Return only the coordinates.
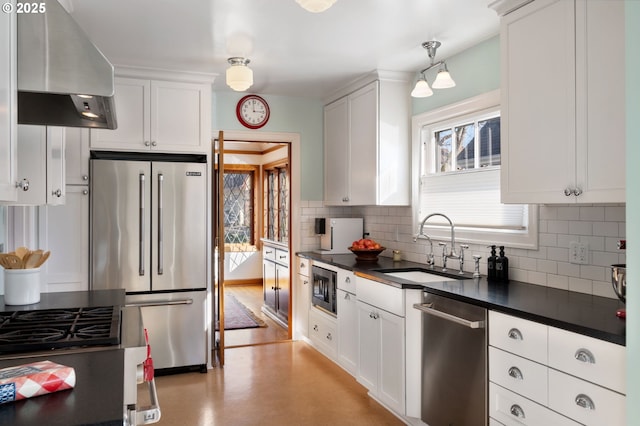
(266, 168)
(476, 105)
(254, 170)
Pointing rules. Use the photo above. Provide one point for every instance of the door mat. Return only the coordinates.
(237, 316)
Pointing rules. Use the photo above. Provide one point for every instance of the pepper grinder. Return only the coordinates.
(476, 269)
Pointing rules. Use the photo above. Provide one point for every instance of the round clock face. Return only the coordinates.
(253, 111)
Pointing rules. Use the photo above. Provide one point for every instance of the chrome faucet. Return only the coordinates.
(431, 260)
(452, 254)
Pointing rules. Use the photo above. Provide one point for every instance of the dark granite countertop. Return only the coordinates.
(97, 398)
(589, 315)
(70, 299)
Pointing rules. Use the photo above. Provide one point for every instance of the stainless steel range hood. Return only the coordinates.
(63, 79)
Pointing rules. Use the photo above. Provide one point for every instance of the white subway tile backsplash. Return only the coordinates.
(599, 226)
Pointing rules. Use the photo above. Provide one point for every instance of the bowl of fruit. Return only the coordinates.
(366, 250)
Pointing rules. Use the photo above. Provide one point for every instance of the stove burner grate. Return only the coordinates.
(59, 328)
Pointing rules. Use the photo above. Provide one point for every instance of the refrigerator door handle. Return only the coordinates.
(141, 223)
(161, 303)
(160, 224)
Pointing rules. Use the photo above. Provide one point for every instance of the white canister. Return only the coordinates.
(21, 286)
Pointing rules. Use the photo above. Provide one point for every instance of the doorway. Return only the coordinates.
(249, 162)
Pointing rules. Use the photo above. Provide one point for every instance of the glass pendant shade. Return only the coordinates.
(443, 80)
(239, 76)
(422, 89)
(316, 6)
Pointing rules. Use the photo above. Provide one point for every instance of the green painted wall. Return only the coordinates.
(632, 18)
(288, 114)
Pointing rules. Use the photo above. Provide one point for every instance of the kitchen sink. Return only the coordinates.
(421, 275)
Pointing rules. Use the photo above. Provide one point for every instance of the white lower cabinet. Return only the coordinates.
(581, 381)
(302, 298)
(512, 409)
(347, 331)
(381, 355)
(323, 333)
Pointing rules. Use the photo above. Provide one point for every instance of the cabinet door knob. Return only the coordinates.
(85, 177)
(585, 355)
(517, 411)
(568, 191)
(577, 192)
(154, 143)
(347, 280)
(57, 193)
(516, 373)
(85, 192)
(585, 402)
(147, 143)
(515, 334)
(305, 282)
(23, 184)
(329, 337)
(315, 327)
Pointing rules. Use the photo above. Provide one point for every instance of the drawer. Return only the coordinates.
(323, 333)
(347, 281)
(268, 253)
(585, 402)
(512, 409)
(304, 266)
(518, 336)
(282, 256)
(518, 374)
(594, 360)
(382, 296)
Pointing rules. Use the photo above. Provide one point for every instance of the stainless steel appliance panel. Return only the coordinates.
(120, 225)
(176, 326)
(454, 362)
(178, 218)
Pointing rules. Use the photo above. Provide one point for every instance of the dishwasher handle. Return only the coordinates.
(427, 308)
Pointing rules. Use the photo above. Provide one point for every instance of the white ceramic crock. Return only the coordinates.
(21, 286)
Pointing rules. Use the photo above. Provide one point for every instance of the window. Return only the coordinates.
(239, 202)
(459, 175)
(276, 188)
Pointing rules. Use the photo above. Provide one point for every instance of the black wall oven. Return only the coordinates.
(323, 293)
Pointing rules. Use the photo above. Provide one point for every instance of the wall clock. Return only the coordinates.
(253, 111)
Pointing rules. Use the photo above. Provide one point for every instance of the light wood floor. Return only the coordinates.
(279, 384)
(252, 297)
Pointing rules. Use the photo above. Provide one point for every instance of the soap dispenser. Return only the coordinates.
(491, 264)
(502, 267)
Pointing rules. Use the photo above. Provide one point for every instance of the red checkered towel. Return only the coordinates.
(38, 378)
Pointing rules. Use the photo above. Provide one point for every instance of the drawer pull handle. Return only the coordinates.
(585, 355)
(585, 402)
(515, 334)
(315, 327)
(347, 280)
(329, 336)
(517, 411)
(516, 373)
(347, 297)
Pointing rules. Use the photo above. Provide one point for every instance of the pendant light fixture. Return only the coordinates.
(315, 6)
(239, 75)
(443, 78)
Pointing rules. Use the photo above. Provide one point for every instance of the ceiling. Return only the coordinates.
(293, 52)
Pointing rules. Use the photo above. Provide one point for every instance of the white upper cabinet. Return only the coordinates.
(41, 165)
(8, 113)
(563, 121)
(367, 143)
(76, 154)
(158, 115)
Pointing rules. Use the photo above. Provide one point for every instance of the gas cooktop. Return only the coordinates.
(37, 330)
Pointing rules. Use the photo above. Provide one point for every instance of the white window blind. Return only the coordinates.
(470, 199)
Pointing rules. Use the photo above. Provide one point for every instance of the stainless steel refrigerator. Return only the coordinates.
(149, 236)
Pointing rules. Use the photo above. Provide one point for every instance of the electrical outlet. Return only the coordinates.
(578, 253)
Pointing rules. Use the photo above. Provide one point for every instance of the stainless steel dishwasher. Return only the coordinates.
(454, 362)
